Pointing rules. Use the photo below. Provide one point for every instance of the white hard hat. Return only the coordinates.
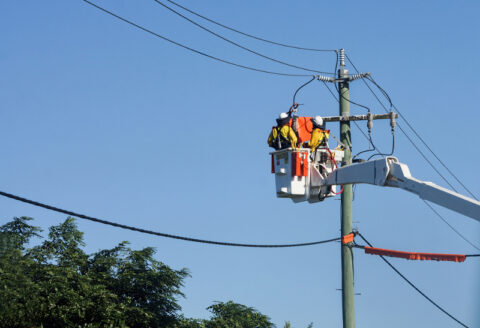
(283, 115)
(318, 120)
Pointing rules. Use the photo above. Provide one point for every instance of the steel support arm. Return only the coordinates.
(390, 173)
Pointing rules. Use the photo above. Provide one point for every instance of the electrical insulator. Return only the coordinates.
(325, 78)
(393, 123)
(369, 122)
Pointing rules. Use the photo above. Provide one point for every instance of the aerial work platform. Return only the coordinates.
(294, 169)
(303, 176)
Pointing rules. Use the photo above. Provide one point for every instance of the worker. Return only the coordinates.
(319, 134)
(282, 135)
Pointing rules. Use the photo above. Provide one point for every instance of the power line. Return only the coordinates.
(403, 131)
(354, 122)
(235, 43)
(413, 144)
(451, 227)
(434, 154)
(191, 49)
(422, 140)
(295, 94)
(160, 234)
(414, 287)
(250, 35)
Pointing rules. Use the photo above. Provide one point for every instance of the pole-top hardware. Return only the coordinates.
(342, 57)
(368, 117)
(342, 79)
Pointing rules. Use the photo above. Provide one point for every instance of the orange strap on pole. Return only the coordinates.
(348, 238)
(415, 255)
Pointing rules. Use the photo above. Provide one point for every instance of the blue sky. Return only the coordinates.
(107, 120)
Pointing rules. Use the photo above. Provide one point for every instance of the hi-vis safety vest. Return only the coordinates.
(282, 137)
(318, 136)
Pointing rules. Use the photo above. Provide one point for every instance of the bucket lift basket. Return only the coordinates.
(294, 169)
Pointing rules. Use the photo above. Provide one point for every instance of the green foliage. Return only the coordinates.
(289, 325)
(55, 284)
(190, 323)
(233, 315)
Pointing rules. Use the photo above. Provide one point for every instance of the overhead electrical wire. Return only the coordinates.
(451, 227)
(369, 139)
(415, 146)
(379, 153)
(413, 285)
(296, 91)
(161, 234)
(384, 154)
(401, 129)
(235, 43)
(249, 35)
(421, 139)
(192, 49)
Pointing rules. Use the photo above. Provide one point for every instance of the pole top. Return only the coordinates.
(342, 71)
(342, 57)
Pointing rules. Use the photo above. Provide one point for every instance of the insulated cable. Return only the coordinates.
(401, 129)
(419, 137)
(192, 49)
(412, 285)
(451, 227)
(379, 153)
(160, 234)
(295, 94)
(383, 154)
(250, 35)
(236, 44)
(369, 139)
(415, 146)
(434, 154)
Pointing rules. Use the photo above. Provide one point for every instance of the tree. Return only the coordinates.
(55, 284)
(289, 325)
(233, 315)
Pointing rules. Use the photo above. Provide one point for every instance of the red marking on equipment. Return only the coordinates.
(348, 238)
(299, 164)
(415, 255)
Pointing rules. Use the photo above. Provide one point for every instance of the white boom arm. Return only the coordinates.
(391, 173)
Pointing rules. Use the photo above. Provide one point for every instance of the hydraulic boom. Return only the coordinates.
(390, 172)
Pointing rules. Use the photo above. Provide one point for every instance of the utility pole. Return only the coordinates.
(348, 304)
(342, 80)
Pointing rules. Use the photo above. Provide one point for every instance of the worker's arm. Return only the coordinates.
(315, 139)
(292, 137)
(271, 137)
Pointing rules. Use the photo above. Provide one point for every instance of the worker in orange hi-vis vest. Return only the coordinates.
(282, 135)
(319, 135)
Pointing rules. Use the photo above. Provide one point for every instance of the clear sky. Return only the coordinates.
(101, 118)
